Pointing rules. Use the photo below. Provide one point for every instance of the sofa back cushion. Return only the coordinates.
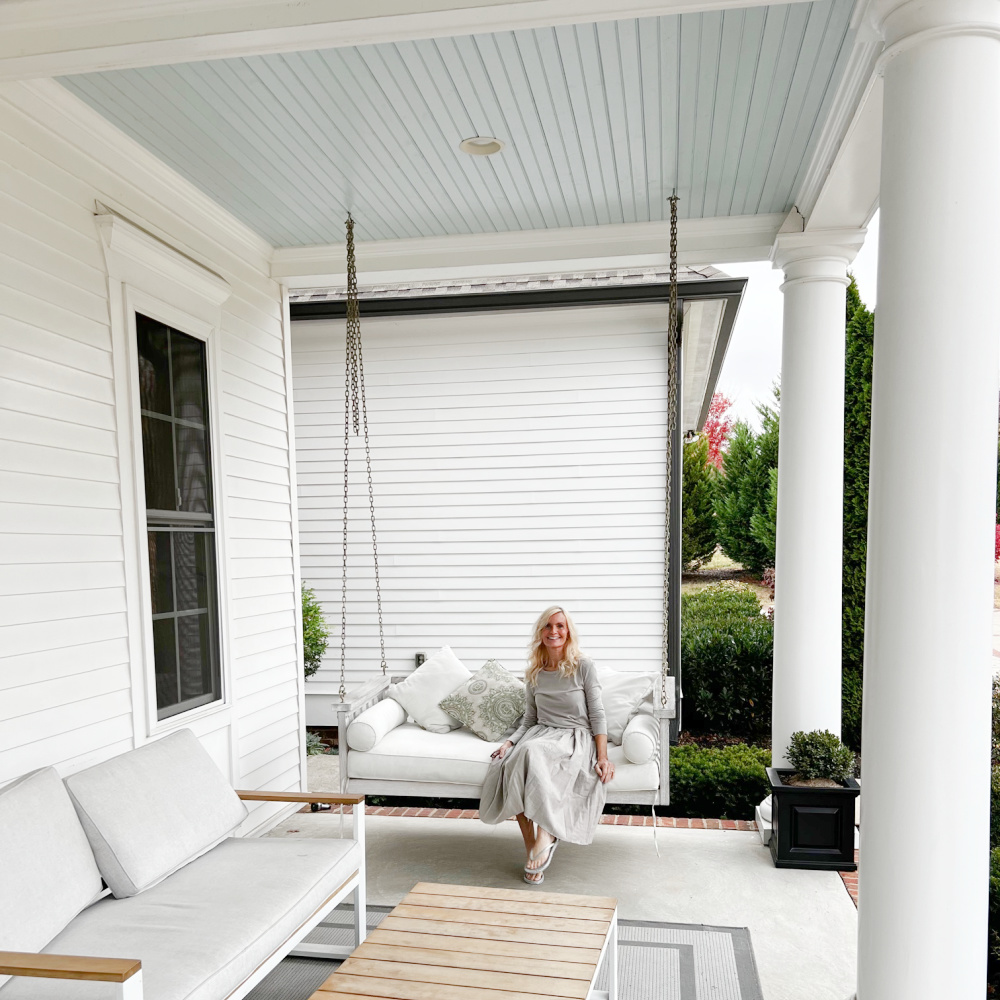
(154, 809)
(47, 869)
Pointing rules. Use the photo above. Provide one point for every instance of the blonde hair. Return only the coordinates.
(538, 658)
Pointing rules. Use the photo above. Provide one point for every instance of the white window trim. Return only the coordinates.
(148, 276)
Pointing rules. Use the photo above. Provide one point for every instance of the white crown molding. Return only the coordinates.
(46, 38)
(54, 108)
(846, 109)
(701, 241)
(130, 251)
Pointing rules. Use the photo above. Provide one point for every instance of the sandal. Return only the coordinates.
(534, 881)
(551, 848)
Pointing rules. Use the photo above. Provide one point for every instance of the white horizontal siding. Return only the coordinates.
(66, 652)
(518, 461)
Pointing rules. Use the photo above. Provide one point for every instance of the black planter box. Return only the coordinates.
(812, 827)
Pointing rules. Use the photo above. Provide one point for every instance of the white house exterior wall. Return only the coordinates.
(69, 651)
(518, 462)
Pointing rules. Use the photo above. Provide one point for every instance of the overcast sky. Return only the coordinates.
(753, 361)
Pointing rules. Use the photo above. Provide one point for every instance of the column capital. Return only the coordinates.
(823, 255)
(906, 23)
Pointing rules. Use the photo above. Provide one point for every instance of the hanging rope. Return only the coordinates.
(356, 419)
(673, 341)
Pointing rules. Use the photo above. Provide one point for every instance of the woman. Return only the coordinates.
(551, 773)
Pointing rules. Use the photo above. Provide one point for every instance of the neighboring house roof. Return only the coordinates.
(512, 283)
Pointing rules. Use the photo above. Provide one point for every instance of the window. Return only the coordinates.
(176, 459)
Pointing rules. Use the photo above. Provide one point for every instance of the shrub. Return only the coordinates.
(857, 427)
(724, 782)
(745, 490)
(996, 544)
(851, 708)
(698, 504)
(315, 632)
(314, 744)
(726, 652)
(993, 953)
(820, 754)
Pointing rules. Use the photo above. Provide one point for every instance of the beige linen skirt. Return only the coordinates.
(549, 775)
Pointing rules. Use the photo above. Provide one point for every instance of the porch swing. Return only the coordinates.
(382, 752)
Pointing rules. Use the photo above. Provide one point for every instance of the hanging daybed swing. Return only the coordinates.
(383, 753)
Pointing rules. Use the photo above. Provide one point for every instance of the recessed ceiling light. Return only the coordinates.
(480, 145)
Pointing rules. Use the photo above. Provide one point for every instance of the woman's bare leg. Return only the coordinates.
(528, 835)
(527, 831)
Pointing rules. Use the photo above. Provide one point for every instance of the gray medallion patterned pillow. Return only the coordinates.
(489, 703)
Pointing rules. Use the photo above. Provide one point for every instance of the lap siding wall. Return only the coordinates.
(517, 462)
(66, 692)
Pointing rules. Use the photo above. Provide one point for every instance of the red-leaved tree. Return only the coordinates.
(717, 428)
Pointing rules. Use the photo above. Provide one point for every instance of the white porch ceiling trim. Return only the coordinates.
(841, 186)
(540, 251)
(46, 38)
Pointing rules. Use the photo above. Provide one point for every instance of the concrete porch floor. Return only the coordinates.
(803, 925)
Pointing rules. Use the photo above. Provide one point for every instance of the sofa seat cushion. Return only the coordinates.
(204, 930)
(409, 753)
(47, 870)
(151, 810)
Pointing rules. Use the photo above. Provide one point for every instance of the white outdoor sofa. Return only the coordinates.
(194, 913)
(405, 760)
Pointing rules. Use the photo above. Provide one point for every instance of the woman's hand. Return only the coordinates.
(501, 750)
(605, 770)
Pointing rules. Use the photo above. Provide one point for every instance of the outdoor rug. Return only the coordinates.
(656, 961)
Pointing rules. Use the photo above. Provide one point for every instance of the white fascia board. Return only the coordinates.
(840, 188)
(47, 38)
(541, 251)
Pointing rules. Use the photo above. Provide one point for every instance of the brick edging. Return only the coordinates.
(850, 880)
(670, 822)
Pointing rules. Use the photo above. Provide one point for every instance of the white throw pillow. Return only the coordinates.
(641, 739)
(433, 680)
(373, 723)
(621, 694)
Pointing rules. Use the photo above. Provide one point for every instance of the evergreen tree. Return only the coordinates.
(745, 491)
(698, 504)
(857, 428)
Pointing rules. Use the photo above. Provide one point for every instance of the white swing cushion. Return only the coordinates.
(373, 723)
(432, 681)
(409, 753)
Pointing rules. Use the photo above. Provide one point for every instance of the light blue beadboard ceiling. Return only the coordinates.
(600, 122)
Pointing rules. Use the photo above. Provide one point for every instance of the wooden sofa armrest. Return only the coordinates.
(104, 970)
(320, 798)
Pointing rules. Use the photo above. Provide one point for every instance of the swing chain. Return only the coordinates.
(356, 417)
(672, 356)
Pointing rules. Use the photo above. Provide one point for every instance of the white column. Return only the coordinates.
(809, 558)
(925, 729)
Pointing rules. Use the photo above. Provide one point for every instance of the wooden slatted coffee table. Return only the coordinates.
(463, 942)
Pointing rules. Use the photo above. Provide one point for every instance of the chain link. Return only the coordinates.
(356, 418)
(672, 352)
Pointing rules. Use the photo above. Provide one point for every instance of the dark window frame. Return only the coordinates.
(177, 522)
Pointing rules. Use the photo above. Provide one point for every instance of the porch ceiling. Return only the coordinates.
(600, 120)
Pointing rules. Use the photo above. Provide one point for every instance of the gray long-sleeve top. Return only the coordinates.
(564, 702)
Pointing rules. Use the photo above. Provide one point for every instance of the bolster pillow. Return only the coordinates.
(373, 723)
(641, 739)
